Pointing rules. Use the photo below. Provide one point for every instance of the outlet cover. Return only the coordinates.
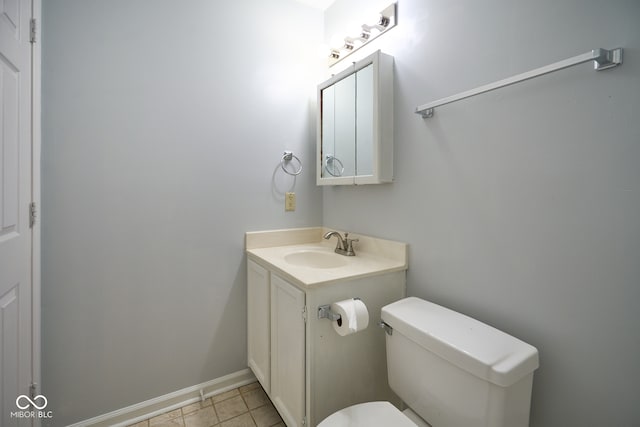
(290, 202)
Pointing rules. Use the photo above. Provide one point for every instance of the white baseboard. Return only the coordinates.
(159, 405)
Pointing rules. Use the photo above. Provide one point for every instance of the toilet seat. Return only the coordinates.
(369, 414)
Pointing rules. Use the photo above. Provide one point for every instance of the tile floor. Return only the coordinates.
(247, 406)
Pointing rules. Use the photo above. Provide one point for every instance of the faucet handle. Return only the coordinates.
(348, 243)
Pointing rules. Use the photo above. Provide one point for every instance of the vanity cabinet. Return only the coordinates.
(306, 368)
(355, 124)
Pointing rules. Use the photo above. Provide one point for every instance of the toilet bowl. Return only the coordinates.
(373, 414)
(450, 370)
(368, 414)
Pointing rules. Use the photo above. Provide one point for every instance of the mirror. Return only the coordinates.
(355, 124)
(338, 128)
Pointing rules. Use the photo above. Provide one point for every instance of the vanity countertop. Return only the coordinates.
(278, 248)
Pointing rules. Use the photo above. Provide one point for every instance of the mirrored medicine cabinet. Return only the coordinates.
(355, 124)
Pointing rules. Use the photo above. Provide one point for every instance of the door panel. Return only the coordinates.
(9, 357)
(10, 14)
(9, 144)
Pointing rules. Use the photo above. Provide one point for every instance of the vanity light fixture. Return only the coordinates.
(387, 19)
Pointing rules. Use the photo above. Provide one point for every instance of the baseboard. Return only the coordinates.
(159, 405)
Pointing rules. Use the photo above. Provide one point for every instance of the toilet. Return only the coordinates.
(449, 370)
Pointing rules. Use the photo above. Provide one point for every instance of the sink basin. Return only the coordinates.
(315, 259)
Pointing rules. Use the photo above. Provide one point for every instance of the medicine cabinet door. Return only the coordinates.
(355, 124)
(339, 129)
(364, 122)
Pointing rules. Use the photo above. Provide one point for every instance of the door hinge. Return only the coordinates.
(32, 214)
(32, 390)
(304, 421)
(33, 30)
(304, 313)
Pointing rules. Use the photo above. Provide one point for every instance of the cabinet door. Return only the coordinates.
(258, 323)
(287, 351)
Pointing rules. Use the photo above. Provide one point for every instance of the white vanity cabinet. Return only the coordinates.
(306, 368)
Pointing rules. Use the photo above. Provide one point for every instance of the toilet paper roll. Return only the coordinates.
(354, 316)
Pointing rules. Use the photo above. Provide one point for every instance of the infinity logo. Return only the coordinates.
(23, 397)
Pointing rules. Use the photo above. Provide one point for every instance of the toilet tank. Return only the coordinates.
(453, 370)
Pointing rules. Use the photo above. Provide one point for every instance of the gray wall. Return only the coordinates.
(163, 127)
(521, 206)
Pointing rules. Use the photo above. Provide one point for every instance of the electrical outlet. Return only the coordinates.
(290, 202)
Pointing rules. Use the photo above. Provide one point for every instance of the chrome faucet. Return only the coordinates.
(345, 245)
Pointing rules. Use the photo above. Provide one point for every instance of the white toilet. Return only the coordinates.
(450, 370)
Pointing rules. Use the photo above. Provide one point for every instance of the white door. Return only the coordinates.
(288, 351)
(16, 352)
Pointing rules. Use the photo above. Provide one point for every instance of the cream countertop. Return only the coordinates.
(373, 256)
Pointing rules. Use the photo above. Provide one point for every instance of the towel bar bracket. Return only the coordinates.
(604, 59)
(428, 113)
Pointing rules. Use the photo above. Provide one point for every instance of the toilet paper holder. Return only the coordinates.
(324, 312)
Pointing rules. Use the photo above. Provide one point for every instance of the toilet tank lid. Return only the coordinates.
(478, 348)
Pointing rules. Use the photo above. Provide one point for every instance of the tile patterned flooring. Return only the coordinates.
(247, 406)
